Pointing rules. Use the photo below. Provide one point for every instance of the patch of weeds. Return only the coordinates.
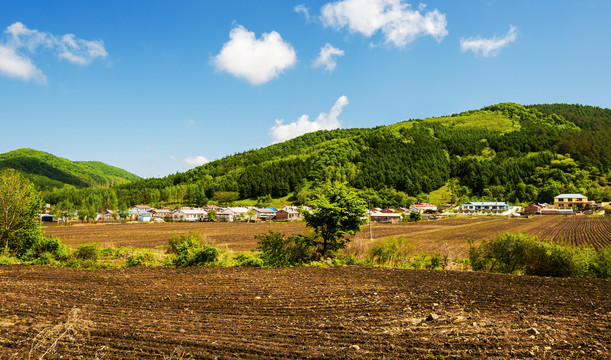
(247, 259)
(6, 260)
(89, 251)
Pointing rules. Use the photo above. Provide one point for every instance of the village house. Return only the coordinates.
(571, 201)
(189, 214)
(264, 214)
(423, 207)
(288, 214)
(225, 215)
(137, 211)
(534, 208)
(490, 207)
(161, 213)
(239, 213)
(378, 216)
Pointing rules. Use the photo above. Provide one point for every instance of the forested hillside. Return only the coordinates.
(504, 152)
(50, 172)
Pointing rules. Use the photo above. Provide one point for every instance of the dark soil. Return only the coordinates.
(308, 312)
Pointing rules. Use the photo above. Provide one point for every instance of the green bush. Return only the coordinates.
(5, 260)
(602, 267)
(189, 252)
(247, 259)
(89, 251)
(278, 250)
(192, 239)
(46, 258)
(47, 250)
(520, 253)
(139, 258)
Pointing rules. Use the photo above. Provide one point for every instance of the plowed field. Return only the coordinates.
(450, 234)
(342, 312)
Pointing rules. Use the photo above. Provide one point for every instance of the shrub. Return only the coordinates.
(520, 253)
(193, 238)
(189, 252)
(49, 248)
(602, 267)
(5, 260)
(89, 251)
(278, 250)
(139, 258)
(247, 259)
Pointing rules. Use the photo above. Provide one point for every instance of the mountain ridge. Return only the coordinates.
(49, 172)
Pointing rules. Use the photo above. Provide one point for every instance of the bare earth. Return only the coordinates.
(308, 312)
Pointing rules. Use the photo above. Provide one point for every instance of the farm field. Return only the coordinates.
(306, 312)
(451, 235)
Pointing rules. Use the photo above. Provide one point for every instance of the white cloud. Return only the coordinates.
(256, 60)
(301, 9)
(15, 66)
(325, 57)
(399, 23)
(195, 160)
(489, 47)
(282, 132)
(19, 42)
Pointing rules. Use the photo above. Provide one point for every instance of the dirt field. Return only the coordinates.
(342, 312)
(451, 235)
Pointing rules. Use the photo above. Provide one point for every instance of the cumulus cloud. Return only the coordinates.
(397, 20)
(195, 160)
(255, 60)
(489, 47)
(325, 57)
(19, 42)
(301, 9)
(282, 132)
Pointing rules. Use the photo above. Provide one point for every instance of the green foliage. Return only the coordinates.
(191, 239)
(20, 204)
(47, 247)
(248, 259)
(140, 258)
(277, 250)
(7, 260)
(48, 172)
(504, 152)
(415, 216)
(89, 251)
(521, 253)
(190, 251)
(337, 212)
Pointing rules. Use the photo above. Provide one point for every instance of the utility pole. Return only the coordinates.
(369, 214)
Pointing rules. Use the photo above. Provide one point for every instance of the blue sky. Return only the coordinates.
(156, 87)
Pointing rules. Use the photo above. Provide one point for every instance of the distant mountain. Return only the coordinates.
(49, 172)
(504, 152)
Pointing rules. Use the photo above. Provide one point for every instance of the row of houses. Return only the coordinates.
(144, 213)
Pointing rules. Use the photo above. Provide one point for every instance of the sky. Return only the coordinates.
(157, 87)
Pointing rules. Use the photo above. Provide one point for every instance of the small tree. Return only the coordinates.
(415, 215)
(250, 213)
(20, 204)
(337, 212)
(212, 214)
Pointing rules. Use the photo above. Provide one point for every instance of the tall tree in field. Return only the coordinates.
(337, 211)
(20, 204)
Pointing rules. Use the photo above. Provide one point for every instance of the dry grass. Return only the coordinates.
(71, 333)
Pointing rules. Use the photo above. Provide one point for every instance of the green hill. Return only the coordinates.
(505, 152)
(49, 172)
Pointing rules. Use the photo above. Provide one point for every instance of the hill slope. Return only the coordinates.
(506, 152)
(47, 171)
